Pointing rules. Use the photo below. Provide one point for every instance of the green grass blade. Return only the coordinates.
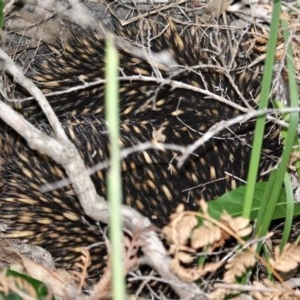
(260, 122)
(114, 185)
(290, 207)
(1, 15)
(289, 141)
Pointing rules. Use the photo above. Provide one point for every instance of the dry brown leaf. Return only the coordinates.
(288, 259)
(239, 265)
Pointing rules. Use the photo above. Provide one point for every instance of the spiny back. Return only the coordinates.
(152, 182)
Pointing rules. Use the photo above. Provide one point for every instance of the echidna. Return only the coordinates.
(161, 102)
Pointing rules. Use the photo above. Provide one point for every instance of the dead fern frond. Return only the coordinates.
(179, 230)
(240, 225)
(185, 257)
(80, 272)
(193, 273)
(187, 236)
(207, 234)
(132, 245)
(103, 286)
(269, 290)
(218, 294)
(239, 265)
(287, 260)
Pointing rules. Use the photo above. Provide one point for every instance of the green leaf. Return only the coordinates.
(232, 202)
(40, 288)
(1, 15)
